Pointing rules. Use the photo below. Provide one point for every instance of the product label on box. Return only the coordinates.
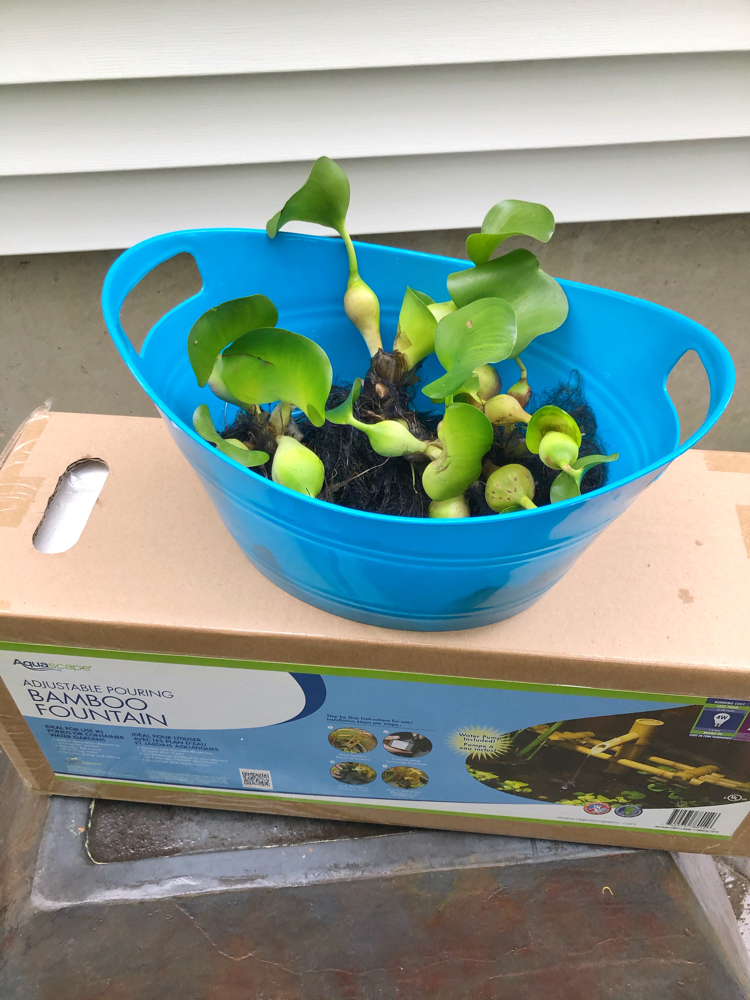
(386, 739)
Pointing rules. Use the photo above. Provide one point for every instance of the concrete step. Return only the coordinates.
(133, 902)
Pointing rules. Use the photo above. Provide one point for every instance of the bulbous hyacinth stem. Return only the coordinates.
(509, 488)
(521, 392)
(557, 451)
(391, 439)
(297, 468)
(504, 411)
(361, 304)
(457, 507)
(489, 382)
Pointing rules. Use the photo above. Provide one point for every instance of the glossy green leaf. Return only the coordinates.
(270, 365)
(538, 300)
(344, 412)
(480, 333)
(230, 447)
(466, 435)
(415, 338)
(588, 460)
(510, 218)
(219, 326)
(323, 199)
(550, 418)
(440, 309)
(565, 486)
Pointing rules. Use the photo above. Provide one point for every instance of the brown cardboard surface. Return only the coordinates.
(658, 603)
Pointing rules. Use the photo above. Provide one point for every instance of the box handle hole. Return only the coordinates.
(70, 505)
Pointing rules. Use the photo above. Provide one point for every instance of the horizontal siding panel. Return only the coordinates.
(108, 210)
(55, 40)
(147, 124)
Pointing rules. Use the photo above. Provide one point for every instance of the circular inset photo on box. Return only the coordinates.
(352, 740)
(405, 777)
(352, 773)
(407, 744)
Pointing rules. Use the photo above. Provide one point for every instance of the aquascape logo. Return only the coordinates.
(31, 665)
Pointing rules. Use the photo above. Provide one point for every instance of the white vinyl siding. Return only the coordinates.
(123, 118)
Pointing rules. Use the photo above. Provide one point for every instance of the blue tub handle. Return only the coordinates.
(717, 362)
(130, 268)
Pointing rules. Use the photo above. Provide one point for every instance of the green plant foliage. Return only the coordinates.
(230, 447)
(449, 509)
(322, 199)
(550, 418)
(510, 488)
(269, 365)
(466, 435)
(538, 300)
(362, 307)
(219, 326)
(390, 438)
(495, 310)
(567, 485)
(297, 468)
(344, 412)
(505, 411)
(480, 333)
(415, 338)
(440, 309)
(509, 218)
(558, 450)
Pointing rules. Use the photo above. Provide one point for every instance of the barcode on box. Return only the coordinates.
(692, 819)
(255, 779)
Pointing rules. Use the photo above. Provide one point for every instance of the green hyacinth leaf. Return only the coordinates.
(480, 333)
(219, 326)
(588, 460)
(466, 435)
(415, 338)
(538, 300)
(323, 199)
(510, 218)
(230, 447)
(563, 487)
(270, 365)
(344, 412)
(440, 309)
(550, 418)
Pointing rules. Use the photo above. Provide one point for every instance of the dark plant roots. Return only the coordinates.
(359, 478)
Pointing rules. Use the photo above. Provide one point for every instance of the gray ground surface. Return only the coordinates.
(243, 907)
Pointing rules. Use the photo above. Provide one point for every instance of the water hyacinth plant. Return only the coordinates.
(318, 439)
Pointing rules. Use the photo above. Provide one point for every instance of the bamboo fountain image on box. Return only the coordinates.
(648, 764)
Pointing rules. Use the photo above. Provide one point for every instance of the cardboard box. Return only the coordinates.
(152, 662)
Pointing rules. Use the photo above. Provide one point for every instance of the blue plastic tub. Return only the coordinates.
(402, 572)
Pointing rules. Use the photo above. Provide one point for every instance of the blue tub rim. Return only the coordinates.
(721, 366)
